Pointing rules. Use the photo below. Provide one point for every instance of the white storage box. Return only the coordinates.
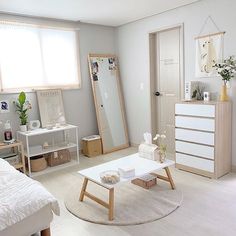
(127, 172)
(149, 151)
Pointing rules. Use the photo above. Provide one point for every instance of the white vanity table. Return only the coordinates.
(55, 145)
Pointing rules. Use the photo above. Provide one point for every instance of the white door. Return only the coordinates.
(167, 84)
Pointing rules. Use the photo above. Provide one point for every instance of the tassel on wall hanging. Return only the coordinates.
(209, 50)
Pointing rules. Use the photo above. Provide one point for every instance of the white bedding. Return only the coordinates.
(20, 196)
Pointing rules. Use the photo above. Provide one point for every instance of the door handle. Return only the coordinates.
(157, 94)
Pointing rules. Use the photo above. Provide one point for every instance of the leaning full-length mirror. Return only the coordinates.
(108, 100)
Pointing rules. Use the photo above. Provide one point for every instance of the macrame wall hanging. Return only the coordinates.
(209, 50)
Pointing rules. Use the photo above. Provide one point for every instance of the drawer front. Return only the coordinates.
(195, 136)
(195, 123)
(195, 149)
(195, 162)
(195, 110)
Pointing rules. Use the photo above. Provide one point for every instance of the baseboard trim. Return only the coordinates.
(134, 144)
(233, 169)
(74, 153)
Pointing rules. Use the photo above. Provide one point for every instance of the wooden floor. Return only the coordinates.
(208, 208)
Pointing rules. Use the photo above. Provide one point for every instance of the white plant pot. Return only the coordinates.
(23, 128)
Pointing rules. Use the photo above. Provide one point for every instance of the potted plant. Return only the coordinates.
(226, 70)
(22, 108)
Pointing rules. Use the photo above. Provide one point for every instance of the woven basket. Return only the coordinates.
(58, 158)
(38, 164)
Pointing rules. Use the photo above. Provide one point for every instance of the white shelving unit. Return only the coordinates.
(25, 138)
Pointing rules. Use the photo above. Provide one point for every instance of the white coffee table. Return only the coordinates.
(142, 167)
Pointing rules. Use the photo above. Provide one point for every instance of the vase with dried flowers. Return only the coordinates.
(226, 70)
(160, 138)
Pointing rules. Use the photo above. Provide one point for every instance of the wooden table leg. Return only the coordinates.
(111, 204)
(83, 190)
(170, 177)
(46, 232)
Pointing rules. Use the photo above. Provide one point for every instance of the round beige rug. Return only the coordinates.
(133, 204)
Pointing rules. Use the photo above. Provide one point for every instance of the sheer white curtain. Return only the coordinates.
(34, 57)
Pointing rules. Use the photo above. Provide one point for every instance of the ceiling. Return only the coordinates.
(103, 12)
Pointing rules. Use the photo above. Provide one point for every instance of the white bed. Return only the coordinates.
(26, 207)
(32, 224)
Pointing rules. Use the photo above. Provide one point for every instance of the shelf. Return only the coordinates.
(42, 131)
(11, 145)
(32, 151)
(18, 166)
(54, 168)
(52, 149)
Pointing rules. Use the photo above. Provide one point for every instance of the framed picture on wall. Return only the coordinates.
(4, 106)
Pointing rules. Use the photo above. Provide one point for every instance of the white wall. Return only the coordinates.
(78, 103)
(133, 50)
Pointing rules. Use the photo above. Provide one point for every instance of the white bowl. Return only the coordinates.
(110, 177)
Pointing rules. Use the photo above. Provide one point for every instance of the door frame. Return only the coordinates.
(153, 69)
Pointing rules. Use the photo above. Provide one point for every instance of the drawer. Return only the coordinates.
(195, 110)
(195, 149)
(195, 162)
(195, 123)
(195, 136)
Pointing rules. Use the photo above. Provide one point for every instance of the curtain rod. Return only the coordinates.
(209, 35)
(38, 25)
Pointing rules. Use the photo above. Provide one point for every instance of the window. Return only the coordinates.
(35, 57)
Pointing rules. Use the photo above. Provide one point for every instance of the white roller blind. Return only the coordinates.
(34, 57)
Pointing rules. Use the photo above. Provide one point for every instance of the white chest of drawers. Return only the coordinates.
(203, 137)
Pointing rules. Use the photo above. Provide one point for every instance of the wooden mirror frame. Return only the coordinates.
(121, 99)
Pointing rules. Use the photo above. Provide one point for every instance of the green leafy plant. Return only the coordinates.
(22, 108)
(226, 69)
